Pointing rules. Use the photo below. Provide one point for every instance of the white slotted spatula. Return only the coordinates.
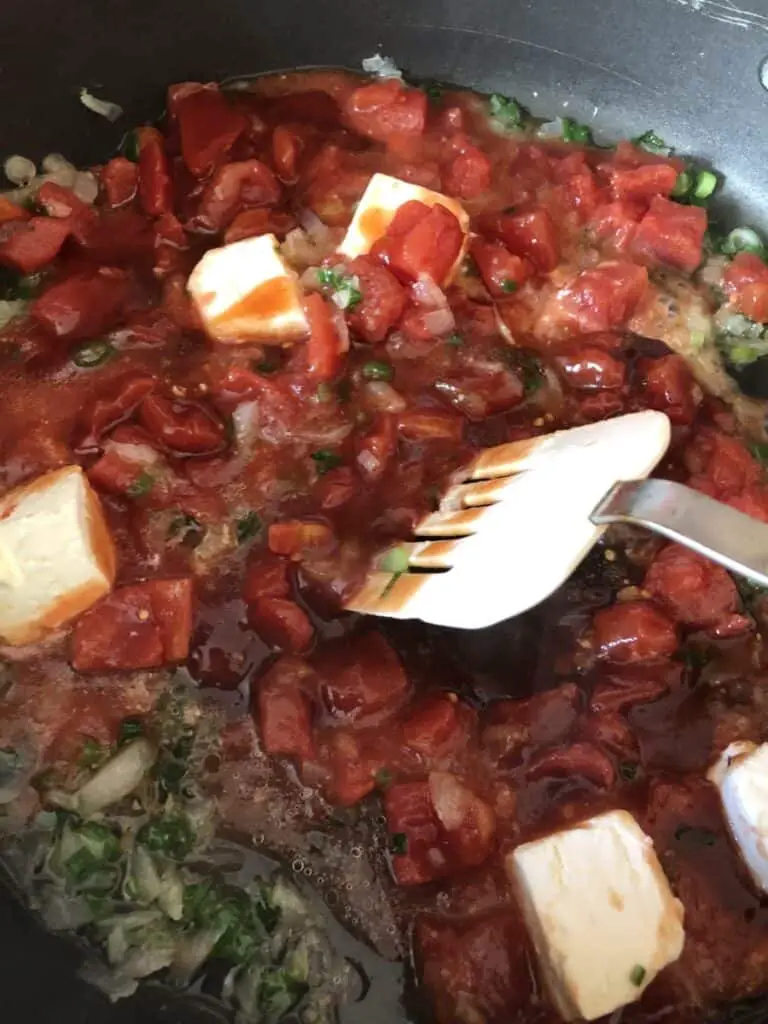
(525, 514)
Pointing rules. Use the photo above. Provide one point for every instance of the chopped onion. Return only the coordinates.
(299, 250)
(425, 292)
(19, 170)
(309, 280)
(368, 461)
(439, 321)
(104, 108)
(62, 913)
(141, 453)
(117, 779)
(382, 397)
(450, 799)
(342, 331)
(10, 309)
(551, 129)
(382, 67)
(145, 961)
(113, 984)
(86, 188)
(318, 232)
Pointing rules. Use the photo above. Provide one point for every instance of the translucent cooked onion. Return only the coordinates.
(299, 250)
(382, 397)
(85, 187)
(191, 953)
(382, 67)
(10, 309)
(342, 331)
(449, 798)
(425, 292)
(439, 321)
(140, 453)
(117, 779)
(19, 170)
(317, 232)
(104, 108)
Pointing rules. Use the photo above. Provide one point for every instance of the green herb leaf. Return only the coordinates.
(434, 90)
(129, 729)
(344, 288)
(507, 113)
(247, 527)
(695, 834)
(95, 353)
(637, 975)
(129, 146)
(244, 919)
(398, 842)
(508, 285)
(575, 132)
(377, 369)
(383, 778)
(455, 340)
(326, 460)
(171, 835)
(652, 142)
(628, 770)
(142, 485)
(92, 754)
(526, 365)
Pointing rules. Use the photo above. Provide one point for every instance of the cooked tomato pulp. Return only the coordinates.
(247, 487)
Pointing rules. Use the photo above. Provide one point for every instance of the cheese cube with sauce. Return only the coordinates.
(600, 913)
(56, 554)
(741, 775)
(246, 292)
(377, 208)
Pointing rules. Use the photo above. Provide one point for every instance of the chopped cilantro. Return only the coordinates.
(575, 132)
(171, 835)
(344, 288)
(129, 729)
(508, 285)
(506, 112)
(129, 146)
(526, 365)
(92, 754)
(142, 485)
(325, 460)
(247, 526)
(637, 975)
(242, 919)
(398, 842)
(377, 369)
(760, 451)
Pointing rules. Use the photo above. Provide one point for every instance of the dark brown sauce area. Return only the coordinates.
(553, 725)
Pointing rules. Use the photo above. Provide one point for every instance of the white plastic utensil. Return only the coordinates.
(523, 515)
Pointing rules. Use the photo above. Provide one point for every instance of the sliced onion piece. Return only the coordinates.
(85, 187)
(117, 779)
(451, 800)
(425, 292)
(104, 108)
(382, 397)
(19, 170)
(439, 321)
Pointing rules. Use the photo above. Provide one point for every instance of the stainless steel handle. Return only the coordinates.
(715, 530)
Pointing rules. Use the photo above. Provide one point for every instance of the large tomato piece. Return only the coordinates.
(420, 239)
(671, 234)
(84, 305)
(634, 631)
(30, 245)
(360, 677)
(285, 710)
(694, 590)
(386, 109)
(184, 427)
(383, 300)
(209, 126)
(155, 185)
(595, 300)
(532, 235)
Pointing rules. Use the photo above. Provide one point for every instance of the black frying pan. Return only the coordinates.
(691, 69)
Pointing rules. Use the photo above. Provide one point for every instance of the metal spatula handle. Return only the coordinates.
(715, 530)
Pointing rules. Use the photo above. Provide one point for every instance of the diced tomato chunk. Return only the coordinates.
(155, 185)
(324, 347)
(723, 461)
(420, 240)
(596, 300)
(745, 281)
(12, 211)
(386, 109)
(30, 245)
(120, 181)
(355, 758)
(171, 246)
(532, 235)
(694, 590)
(434, 724)
(618, 689)
(383, 300)
(281, 623)
(185, 427)
(336, 487)
(634, 631)
(62, 203)
(260, 221)
(468, 175)
(475, 969)
(643, 182)
(116, 474)
(285, 709)
(502, 272)
(266, 576)
(236, 186)
(672, 234)
(84, 305)
(670, 388)
(543, 719)
(105, 413)
(296, 537)
(360, 676)
(587, 367)
(139, 626)
(616, 223)
(376, 449)
(209, 125)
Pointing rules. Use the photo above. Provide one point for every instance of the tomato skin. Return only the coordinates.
(671, 234)
(633, 632)
(84, 305)
(694, 590)
(234, 187)
(468, 175)
(383, 300)
(670, 388)
(324, 355)
(209, 126)
(183, 427)
(502, 272)
(266, 576)
(120, 181)
(360, 676)
(108, 411)
(386, 109)
(420, 240)
(139, 626)
(30, 245)
(155, 184)
(281, 623)
(532, 235)
(431, 425)
(588, 368)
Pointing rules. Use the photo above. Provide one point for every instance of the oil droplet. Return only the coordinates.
(297, 865)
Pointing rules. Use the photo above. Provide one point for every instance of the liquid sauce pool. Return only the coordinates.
(269, 476)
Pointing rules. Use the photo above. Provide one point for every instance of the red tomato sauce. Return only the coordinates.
(248, 486)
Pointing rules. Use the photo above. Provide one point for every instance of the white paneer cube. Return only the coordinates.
(376, 210)
(56, 554)
(247, 292)
(741, 775)
(600, 913)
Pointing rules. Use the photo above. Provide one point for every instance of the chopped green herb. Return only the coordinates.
(377, 369)
(508, 285)
(526, 365)
(247, 527)
(455, 340)
(344, 288)
(628, 770)
(243, 919)
(434, 90)
(170, 835)
(694, 186)
(129, 729)
(326, 460)
(95, 353)
(28, 286)
(129, 146)
(637, 975)
(13, 287)
(575, 132)
(142, 485)
(760, 451)
(395, 560)
(742, 240)
(652, 142)
(696, 834)
(383, 778)
(96, 850)
(398, 842)
(507, 113)
(92, 754)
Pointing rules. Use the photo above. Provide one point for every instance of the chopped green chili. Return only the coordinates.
(575, 132)
(508, 285)
(506, 112)
(326, 460)
(637, 975)
(377, 369)
(652, 142)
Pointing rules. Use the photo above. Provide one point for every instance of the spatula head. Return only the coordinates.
(517, 525)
